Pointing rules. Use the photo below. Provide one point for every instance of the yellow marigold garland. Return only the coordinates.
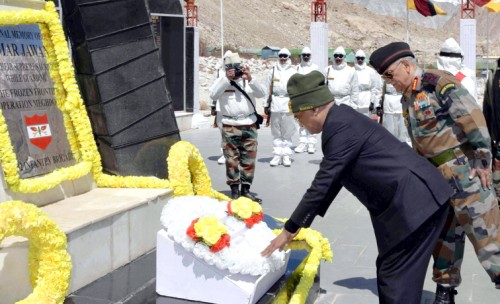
(188, 173)
(307, 270)
(49, 262)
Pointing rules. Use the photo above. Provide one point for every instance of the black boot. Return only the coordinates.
(235, 192)
(445, 295)
(245, 191)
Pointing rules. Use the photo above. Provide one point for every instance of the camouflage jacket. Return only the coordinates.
(440, 114)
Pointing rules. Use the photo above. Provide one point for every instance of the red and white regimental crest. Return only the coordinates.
(38, 130)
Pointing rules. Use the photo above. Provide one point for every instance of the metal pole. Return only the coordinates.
(407, 24)
(487, 41)
(222, 30)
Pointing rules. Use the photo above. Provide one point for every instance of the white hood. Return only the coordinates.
(447, 63)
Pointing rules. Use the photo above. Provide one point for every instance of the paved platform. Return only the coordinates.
(351, 277)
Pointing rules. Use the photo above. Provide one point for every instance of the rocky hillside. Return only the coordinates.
(255, 23)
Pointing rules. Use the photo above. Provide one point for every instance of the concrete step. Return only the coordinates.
(106, 228)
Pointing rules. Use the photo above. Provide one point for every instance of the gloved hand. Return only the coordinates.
(212, 111)
(267, 110)
(371, 107)
(380, 112)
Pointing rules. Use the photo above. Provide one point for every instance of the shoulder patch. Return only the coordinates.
(445, 88)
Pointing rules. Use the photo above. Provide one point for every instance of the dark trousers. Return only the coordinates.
(401, 271)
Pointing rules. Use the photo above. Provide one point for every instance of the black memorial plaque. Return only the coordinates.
(35, 123)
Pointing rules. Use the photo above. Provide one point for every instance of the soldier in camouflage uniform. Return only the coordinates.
(236, 91)
(447, 127)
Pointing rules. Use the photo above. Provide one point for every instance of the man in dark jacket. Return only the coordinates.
(405, 195)
(491, 111)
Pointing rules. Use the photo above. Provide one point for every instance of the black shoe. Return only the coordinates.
(497, 282)
(445, 295)
(245, 191)
(235, 192)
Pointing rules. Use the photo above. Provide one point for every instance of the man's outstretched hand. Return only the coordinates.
(283, 239)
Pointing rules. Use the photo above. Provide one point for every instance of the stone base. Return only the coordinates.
(106, 229)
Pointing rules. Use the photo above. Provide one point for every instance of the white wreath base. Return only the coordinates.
(243, 254)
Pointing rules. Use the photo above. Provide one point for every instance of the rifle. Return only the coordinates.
(270, 99)
(384, 91)
(213, 112)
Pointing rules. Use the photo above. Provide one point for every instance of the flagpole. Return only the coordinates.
(407, 23)
(222, 30)
(487, 41)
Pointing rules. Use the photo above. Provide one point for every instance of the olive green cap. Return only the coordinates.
(308, 91)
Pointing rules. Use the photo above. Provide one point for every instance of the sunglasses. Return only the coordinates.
(388, 75)
(338, 56)
(306, 55)
(360, 58)
(283, 56)
(232, 66)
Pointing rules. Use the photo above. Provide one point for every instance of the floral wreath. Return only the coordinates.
(209, 231)
(49, 261)
(246, 210)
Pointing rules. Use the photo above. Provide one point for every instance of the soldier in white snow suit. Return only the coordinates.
(342, 80)
(283, 124)
(369, 82)
(307, 141)
(393, 113)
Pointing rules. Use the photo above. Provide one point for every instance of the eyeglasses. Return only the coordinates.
(388, 75)
(360, 58)
(232, 66)
(338, 56)
(306, 55)
(283, 56)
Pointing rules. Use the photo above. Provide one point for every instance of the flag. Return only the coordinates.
(480, 2)
(425, 7)
(493, 6)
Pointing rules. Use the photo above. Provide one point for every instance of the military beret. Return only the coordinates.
(308, 91)
(383, 57)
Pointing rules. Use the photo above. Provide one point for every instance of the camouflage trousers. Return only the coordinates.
(473, 213)
(240, 150)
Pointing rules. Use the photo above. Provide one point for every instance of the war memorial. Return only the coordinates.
(95, 175)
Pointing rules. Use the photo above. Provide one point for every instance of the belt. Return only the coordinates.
(448, 155)
(241, 116)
